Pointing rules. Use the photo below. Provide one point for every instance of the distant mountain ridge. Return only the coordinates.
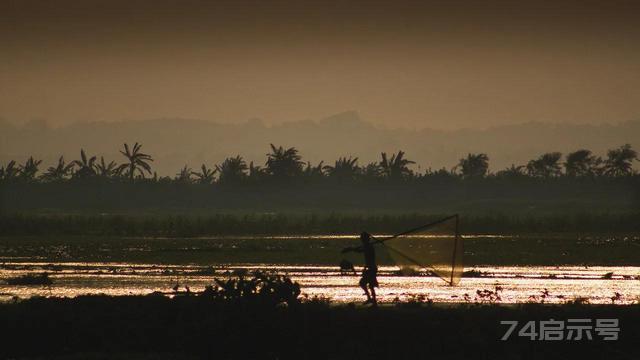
(176, 142)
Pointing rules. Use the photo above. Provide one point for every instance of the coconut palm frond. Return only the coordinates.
(138, 162)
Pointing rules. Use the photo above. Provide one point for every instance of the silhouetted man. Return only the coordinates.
(369, 280)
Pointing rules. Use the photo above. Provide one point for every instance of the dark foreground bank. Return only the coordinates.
(205, 326)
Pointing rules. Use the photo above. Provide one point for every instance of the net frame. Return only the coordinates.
(457, 265)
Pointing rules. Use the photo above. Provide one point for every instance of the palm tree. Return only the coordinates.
(60, 171)
(232, 170)
(314, 172)
(138, 161)
(396, 167)
(283, 163)
(620, 161)
(547, 165)
(86, 166)
(371, 171)
(10, 171)
(581, 163)
(184, 176)
(474, 165)
(256, 173)
(29, 169)
(512, 172)
(206, 175)
(105, 170)
(343, 169)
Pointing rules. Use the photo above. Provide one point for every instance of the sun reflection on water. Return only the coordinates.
(515, 284)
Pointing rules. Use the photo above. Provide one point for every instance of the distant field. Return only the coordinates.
(193, 223)
(544, 250)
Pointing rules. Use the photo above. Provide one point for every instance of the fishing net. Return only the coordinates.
(435, 247)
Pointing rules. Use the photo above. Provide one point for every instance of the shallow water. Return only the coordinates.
(514, 284)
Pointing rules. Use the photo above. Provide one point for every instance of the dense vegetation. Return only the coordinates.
(581, 181)
(199, 225)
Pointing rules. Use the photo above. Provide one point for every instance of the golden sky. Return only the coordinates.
(399, 63)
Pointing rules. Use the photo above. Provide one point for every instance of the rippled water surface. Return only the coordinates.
(515, 284)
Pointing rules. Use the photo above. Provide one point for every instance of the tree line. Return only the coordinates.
(287, 164)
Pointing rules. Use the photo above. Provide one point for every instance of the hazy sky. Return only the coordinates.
(416, 64)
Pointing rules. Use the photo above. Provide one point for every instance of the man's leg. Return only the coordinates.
(373, 293)
(363, 285)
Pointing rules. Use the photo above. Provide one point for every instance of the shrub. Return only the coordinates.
(262, 288)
